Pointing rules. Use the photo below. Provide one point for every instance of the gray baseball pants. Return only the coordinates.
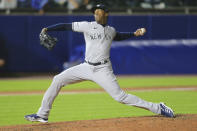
(103, 76)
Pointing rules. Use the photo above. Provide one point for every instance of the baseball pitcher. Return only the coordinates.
(97, 66)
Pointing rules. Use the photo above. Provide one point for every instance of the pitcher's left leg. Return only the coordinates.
(107, 80)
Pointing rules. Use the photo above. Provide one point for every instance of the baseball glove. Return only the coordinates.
(47, 41)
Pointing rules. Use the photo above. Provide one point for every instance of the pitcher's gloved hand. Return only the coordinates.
(46, 40)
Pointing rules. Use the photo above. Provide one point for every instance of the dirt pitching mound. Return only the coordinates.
(151, 123)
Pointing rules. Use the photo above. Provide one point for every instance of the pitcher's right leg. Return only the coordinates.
(106, 79)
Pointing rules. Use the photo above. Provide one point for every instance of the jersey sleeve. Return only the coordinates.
(80, 26)
(113, 30)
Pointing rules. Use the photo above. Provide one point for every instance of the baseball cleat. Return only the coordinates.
(166, 111)
(35, 117)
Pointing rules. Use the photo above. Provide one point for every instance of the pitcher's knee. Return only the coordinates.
(121, 97)
(58, 81)
(118, 99)
(56, 78)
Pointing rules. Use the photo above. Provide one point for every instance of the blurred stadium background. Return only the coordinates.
(169, 47)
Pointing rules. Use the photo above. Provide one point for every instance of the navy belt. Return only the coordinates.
(98, 63)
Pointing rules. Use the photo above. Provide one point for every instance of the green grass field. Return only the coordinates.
(124, 82)
(87, 106)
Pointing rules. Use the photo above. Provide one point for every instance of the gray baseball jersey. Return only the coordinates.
(98, 40)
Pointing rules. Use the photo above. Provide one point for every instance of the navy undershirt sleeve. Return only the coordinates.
(123, 36)
(60, 27)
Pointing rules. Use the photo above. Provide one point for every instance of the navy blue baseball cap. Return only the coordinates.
(100, 6)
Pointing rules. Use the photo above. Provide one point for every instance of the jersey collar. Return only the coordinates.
(102, 24)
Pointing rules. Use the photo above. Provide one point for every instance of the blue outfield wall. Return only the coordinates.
(21, 36)
(155, 57)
